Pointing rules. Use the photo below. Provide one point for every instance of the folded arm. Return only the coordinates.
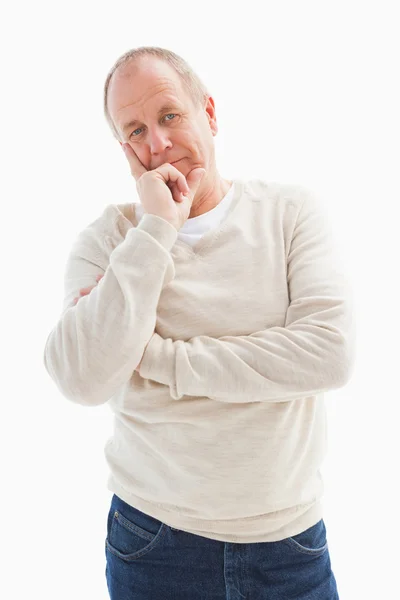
(312, 353)
(95, 346)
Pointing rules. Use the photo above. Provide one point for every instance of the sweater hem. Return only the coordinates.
(269, 527)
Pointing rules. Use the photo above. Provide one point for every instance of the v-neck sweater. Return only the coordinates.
(222, 432)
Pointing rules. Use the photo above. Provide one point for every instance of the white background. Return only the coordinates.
(305, 92)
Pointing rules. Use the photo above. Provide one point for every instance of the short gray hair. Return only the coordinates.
(196, 88)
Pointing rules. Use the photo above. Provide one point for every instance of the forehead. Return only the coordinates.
(139, 89)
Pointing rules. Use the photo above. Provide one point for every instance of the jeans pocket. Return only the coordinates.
(312, 541)
(131, 533)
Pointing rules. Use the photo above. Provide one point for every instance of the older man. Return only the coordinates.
(221, 316)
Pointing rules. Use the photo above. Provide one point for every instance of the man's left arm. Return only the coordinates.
(314, 352)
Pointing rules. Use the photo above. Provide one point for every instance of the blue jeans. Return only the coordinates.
(148, 560)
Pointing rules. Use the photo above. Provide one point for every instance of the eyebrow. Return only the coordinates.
(164, 108)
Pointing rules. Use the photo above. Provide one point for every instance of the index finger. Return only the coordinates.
(137, 167)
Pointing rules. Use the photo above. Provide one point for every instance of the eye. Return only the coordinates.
(139, 128)
(136, 130)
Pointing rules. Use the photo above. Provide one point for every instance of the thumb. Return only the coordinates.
(194, 178)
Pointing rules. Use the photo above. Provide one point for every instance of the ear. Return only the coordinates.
(211, 115)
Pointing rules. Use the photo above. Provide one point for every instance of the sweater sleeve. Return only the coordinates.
(96, 344)
(314, 352)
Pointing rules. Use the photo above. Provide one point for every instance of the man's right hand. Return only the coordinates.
(154, 189)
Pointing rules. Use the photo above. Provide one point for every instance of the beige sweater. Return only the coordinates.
(222, 433)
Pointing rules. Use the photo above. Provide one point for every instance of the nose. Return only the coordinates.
(158, 140)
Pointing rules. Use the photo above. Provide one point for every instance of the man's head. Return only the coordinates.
(164, 114)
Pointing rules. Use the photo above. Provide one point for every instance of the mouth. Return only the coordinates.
(176, 161)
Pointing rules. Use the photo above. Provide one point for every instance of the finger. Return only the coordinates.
(137, 168)
(86, 291)
(182, 183)
(194, 179)
(176, 193)
(171, 174)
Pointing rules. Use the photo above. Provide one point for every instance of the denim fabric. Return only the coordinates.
(149, 560)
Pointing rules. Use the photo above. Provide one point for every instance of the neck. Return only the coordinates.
(209, 195)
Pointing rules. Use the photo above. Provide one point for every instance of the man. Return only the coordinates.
(221, 316)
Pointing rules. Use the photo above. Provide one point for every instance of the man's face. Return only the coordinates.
(167, 125)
